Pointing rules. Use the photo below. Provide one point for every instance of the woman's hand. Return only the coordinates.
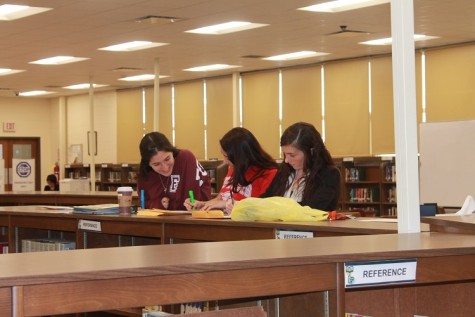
(229, 206)
(214, 204)
(196, 206)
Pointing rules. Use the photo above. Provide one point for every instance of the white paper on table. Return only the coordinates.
(468, 207)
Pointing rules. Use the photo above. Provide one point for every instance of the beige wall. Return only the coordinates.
(33, 118)
(105, 123)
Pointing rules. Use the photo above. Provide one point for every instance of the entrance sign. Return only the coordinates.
(23, 178)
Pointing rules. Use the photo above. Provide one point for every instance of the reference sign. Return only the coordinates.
(292, 234)
(380, 272)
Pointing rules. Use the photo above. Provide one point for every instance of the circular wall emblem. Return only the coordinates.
(23, 169)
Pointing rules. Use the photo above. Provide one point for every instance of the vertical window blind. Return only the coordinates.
(260, 97)
(346, 107)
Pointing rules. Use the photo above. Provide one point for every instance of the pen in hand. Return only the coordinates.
(192, 199)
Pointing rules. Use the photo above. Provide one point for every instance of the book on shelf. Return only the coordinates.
(3, 247)
(38, 245)
(354, 174)
(392, 194)
(364, 194)
(390, 173)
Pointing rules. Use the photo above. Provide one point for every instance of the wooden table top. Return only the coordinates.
(59, 193)
(356, 226)
(451, 224)
(143, 261)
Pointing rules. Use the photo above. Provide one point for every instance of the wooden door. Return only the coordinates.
(20, 148)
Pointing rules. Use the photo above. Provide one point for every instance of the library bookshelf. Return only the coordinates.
(368, 185)
(109, 176)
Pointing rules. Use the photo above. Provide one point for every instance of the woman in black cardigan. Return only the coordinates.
(308, 174)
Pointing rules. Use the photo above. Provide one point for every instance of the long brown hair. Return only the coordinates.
(244, 151)
(150, 145)
(306, 138)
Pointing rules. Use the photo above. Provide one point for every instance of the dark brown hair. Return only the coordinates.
(306, 138)
(150, 145)
(243, 151)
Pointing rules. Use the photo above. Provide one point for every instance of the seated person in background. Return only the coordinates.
(167, 174)
(250, 170)
(52, 183)
(308, 174)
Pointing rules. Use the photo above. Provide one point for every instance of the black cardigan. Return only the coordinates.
(326, 193)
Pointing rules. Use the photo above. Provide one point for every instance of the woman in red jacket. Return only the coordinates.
(250, 170)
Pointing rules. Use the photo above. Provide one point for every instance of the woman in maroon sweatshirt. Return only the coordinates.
(167, 174)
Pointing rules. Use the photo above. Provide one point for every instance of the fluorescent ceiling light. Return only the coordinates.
(142, 77)
(9, 12)
(58, 60)
(34, 93)
(295, 55)
(213, 67)
(228, 27)
(8, 71)
(343, 5)
(84, 86)
(132, 46)
(389, 40)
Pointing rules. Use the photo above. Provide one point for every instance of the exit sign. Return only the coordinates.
(9, 127)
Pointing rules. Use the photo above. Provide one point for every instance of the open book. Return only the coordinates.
(101, 209)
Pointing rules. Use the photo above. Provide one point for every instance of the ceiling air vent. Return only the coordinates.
(157, 19)
(253, 56)
(127, 69)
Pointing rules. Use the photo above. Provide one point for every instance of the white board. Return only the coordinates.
(447, 162)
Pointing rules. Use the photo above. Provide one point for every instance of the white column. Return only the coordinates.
(92, 139)
(62, 133)
(236, 100)
(405, 116)
(156, 96)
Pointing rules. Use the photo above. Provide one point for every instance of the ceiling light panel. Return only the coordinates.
(84, 86)
(132, 46)
(10, 12)
(59, 60)
(343, 5)
(389, 40)
(34, 93)
(208, 68)
(142, 77)
(295, 55)
(8, 71)
(227, 27)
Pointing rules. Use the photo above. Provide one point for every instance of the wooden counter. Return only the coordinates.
(27, 222)
(451, 224)
(33, 284)
(59, 198)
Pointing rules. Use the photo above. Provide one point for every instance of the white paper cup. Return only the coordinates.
(124, 196)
